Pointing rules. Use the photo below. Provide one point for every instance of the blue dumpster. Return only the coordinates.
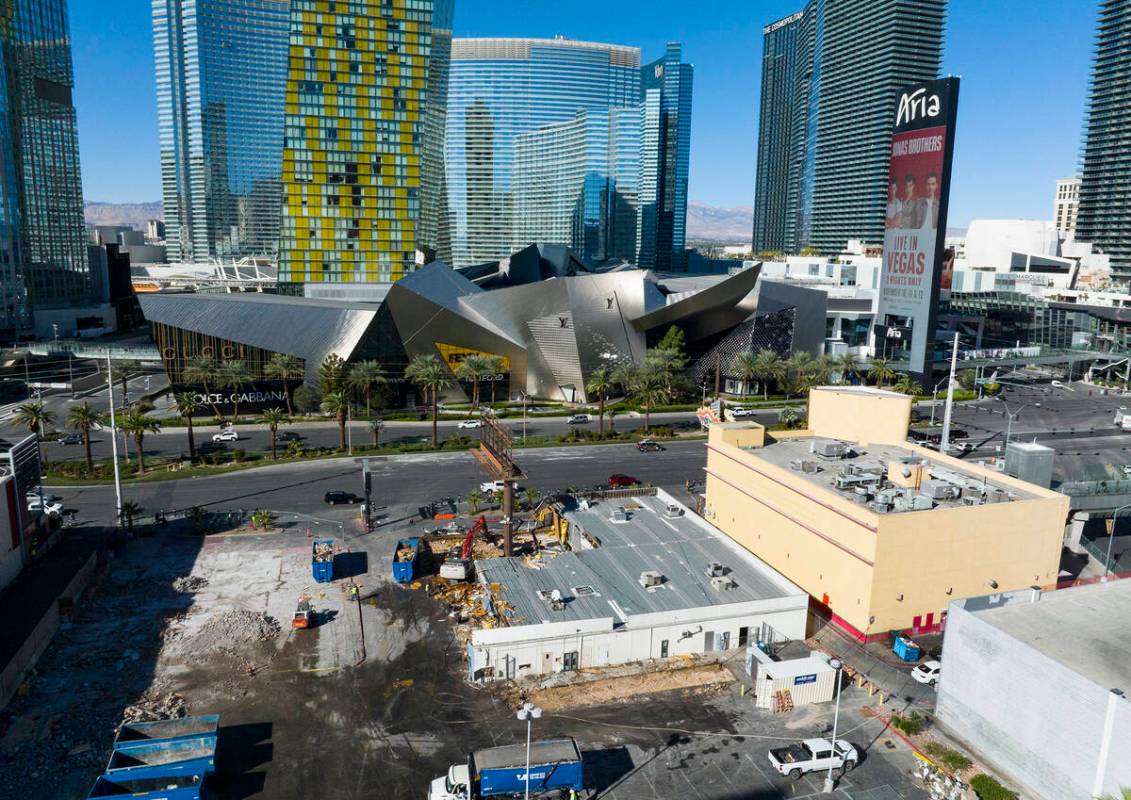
(906, 649)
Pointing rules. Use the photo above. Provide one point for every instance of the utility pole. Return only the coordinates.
(114, 435)
(949, 398)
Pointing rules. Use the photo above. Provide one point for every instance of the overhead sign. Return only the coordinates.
(915, 271)
(781, 23)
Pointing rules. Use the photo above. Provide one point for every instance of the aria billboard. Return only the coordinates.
(915, 270)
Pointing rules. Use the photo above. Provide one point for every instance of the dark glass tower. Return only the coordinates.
(221, 72)
(851, 58)
(1104, 218)
(43, 254)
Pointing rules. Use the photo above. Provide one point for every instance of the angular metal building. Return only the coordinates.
(548, 320)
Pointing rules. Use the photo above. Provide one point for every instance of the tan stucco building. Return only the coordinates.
(881, 533)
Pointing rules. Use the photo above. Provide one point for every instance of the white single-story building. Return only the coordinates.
(646, 578)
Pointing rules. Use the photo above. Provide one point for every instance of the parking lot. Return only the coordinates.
(371, 702)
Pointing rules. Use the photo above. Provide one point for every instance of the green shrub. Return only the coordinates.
(238, 455)
(948, 757)
(910, 724)
(987, 788)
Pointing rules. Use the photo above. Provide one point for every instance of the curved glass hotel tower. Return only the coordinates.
(565, 142)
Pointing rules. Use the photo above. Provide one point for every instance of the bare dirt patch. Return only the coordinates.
(602, 691)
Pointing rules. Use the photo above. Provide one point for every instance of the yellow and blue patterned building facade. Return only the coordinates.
(354, 135)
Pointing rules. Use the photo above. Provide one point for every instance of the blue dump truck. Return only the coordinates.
(408, 560)
(164, 760)
(555, 766)
(322, 560)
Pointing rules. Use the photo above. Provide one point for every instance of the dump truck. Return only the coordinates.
(174, 786)
(204, 726)
(555, 767)
(322, 560)
(408, 559)
(163, 757)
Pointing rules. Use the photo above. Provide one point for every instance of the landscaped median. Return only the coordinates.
(74, 473)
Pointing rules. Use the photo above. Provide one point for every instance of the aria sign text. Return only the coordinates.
(916, 104)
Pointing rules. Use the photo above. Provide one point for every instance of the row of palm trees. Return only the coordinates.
(83, 419)
(801, 371)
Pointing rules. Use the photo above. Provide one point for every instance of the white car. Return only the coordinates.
(490, 487)
(226, 435)
(578, 419)
(928, 672)
(52, 507)
(470, 423)
(739, 413)
(813, 755)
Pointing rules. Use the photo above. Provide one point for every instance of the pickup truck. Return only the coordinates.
(555, 767)
(813, 755)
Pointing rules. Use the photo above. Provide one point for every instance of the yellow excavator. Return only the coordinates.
(550, 517)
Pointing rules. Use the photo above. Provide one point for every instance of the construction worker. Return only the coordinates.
(355, 592)
(572, 793)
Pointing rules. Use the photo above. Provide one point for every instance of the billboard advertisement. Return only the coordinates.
(916, 270)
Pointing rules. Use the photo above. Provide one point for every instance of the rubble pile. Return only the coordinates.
(468, 603)
(323, 551)
(156, 706)
(231, 631)
(186, 584)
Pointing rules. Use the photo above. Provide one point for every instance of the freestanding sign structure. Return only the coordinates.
(915, 270)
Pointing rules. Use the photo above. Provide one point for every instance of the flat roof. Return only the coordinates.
(1082, 627)
(680, 548)
(786, 452)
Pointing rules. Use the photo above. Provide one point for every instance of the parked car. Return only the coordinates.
(619, 481)
(226, 435)
(287, 436)
(928, 672)
(334, 498)
(813, 755)
(578, 419)
(72, 438)
(470, 423)
(52, 508)
(739, 413)
(649, 446)
(490, 487)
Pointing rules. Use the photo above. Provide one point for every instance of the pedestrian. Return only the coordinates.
(355, 591)
(572, 793)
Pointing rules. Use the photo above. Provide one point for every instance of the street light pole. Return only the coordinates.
(529, 712)
(837, 665)
(114, 435)
(1111, 540)
(934, 399)
(1011, 415)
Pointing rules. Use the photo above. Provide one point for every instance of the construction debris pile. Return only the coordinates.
(154, 706)
(232, 631)
(323, 551)
(405, 553)
(187, 584)
(469, 604)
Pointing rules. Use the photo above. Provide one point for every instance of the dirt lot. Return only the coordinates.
(602, 690)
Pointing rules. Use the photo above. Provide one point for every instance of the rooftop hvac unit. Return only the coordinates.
(722, 583)
(995, 495)
(940, 490)
(804, 465)
(880, 506)
(830, 449)
(912, 501)
(552, 598)
(848, 481)
(971, 500)
(619, 515)
(651, 578)
(861, 495)
(671, 511)
(714, 569)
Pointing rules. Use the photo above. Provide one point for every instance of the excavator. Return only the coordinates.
(550, 517)
(457, 565)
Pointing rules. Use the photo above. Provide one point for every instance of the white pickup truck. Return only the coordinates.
(813, 755)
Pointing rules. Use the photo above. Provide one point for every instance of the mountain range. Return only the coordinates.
(136, 214)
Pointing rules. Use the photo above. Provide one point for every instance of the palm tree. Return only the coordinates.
(125, 368)
(667, 365)
(338, 404)
(796, 370)
(821, 369)
(234, 375)
(624, 375)
(285, 368)
(649, 389)
(375, 427)
(907, 386)
(530, 496)
(203, 370)
(881, 371)
(84, 419)
(770, 368)
(274, 417)
(472, 369)
(848, 366)
(431, 376)
(362, 376)
(186, 405)
(474, 499)
(600, 383)
(494, 367)
(35, 417)
(745, 368)
(136, 424)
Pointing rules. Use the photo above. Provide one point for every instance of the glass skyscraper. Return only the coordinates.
(1104, 216)
(221, 73)
(355, 132)
(831, 76)
(43, 255)
(565, 142)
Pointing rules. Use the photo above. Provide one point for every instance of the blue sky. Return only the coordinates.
(1024, 65)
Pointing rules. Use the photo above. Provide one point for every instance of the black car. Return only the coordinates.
(72, 438)
(648, 446)
(341, 498)
(287, 436)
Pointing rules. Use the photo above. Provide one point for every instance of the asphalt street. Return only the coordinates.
(402, 483)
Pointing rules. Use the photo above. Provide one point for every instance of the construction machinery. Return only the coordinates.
(550, 516)
(304, 615)
(457, 564)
